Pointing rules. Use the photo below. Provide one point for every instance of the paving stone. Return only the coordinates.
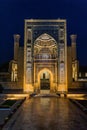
(48, 114)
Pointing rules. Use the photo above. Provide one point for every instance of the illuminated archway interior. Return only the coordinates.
(45, 79)
(45, 61)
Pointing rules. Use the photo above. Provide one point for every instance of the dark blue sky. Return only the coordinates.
(13, 13)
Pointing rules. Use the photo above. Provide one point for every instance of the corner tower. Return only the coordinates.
(16, 46)
(73, 46)
(75, 64)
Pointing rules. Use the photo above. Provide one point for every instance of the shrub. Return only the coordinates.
(1, 88)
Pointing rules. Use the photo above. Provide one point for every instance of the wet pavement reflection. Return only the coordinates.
(48, 114)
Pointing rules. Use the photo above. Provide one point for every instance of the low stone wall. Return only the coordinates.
(78, 84)
(10, 85)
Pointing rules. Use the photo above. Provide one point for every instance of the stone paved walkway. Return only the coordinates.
(48, 114)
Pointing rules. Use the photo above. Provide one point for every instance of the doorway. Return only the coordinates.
(45, 81)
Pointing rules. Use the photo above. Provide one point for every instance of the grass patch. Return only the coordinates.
(83, 102)
(8, 103)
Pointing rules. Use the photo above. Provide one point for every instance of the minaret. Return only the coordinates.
(73, 46)
(16, 46)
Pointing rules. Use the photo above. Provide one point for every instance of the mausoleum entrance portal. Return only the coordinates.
(45, 56)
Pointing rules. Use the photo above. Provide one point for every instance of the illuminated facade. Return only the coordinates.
(45, 55)
(45, 62)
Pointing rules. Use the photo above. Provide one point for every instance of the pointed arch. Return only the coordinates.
(51, 76)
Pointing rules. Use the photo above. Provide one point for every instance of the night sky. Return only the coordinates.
(13, 13)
